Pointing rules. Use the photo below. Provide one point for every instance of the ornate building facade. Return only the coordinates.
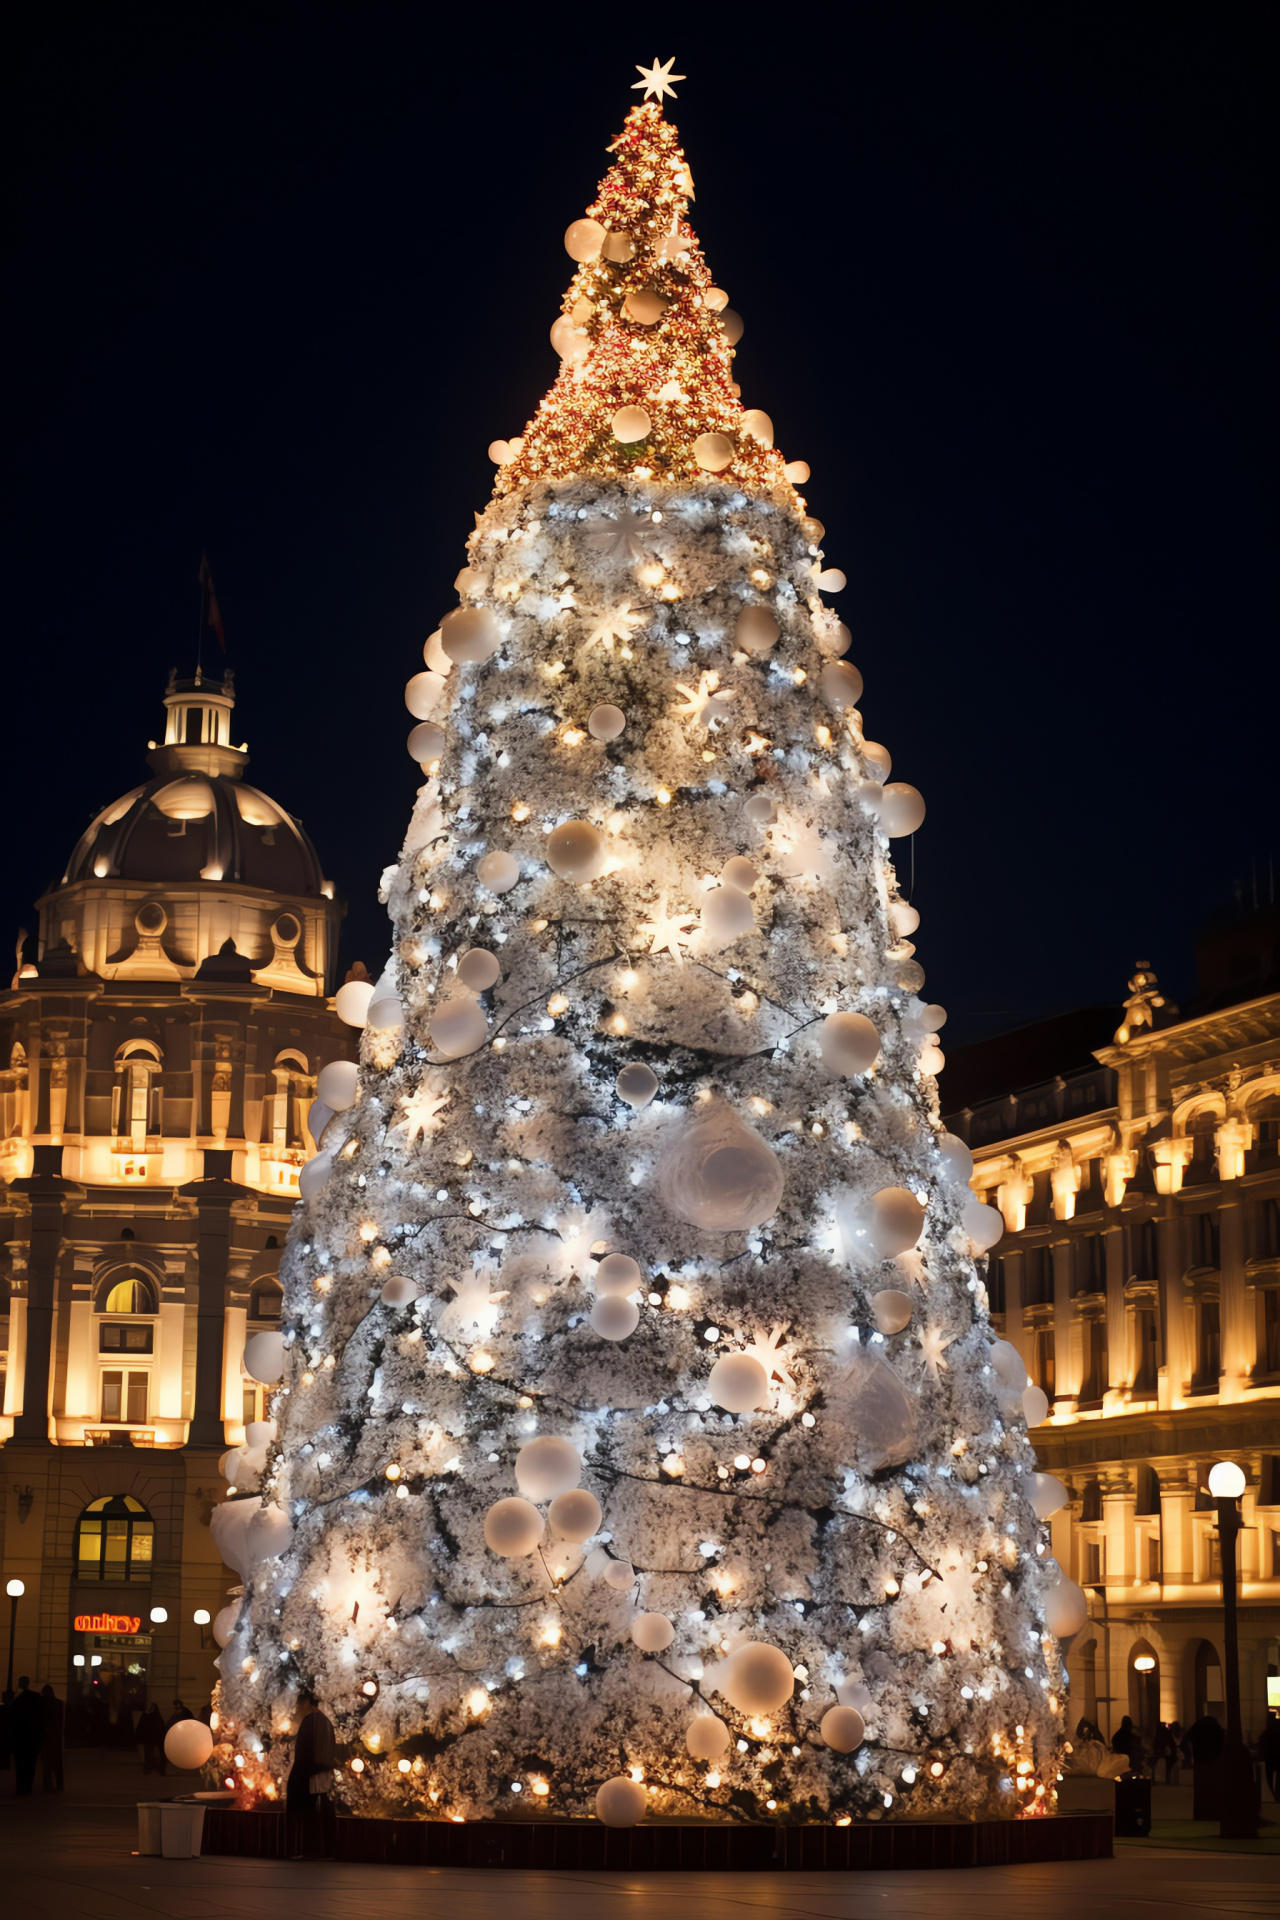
(157, 1061)
(1139, 1277)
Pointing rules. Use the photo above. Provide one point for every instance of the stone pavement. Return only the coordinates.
(70, 1857)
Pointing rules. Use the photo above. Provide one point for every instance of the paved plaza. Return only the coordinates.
(70, 1857)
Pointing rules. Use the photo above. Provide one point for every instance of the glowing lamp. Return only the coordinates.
(15, 1589)
(201, 1616)
(1144, 1663)
(1226, 1481)
(159, 1615)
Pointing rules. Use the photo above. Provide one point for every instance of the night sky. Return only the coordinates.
(277, 276)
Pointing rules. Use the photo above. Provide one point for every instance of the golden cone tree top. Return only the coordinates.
(646, 385)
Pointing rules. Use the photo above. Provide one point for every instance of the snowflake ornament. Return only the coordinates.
(474, 1305)
(656, 80)
(933, 1343)
(418, 1111)
(666, 932)
(620, 625)
(705, 703)
(768, 1349)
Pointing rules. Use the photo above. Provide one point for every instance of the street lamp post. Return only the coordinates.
(1239, 1820)
(15, 1590)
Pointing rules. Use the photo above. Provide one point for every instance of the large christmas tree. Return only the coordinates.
(643, 1444)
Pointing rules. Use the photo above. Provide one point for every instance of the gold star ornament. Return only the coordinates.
(657, 80)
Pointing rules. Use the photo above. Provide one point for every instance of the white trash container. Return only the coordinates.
(181, 1829)
(149, 1812)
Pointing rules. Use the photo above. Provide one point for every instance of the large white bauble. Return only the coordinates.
(738, 872)
(880, 757)
(351, 1002)
(1007, 1361)
(188, 1744)
(570, 342)
(1047, 1494)
(498, 871)
(620, 1575)
(547, 1466)
(727, 914)
(575, 850)
(576, 1515)
(903, 918)
(897, 1219)
(732, 324)
(636, 1084)
(434, 654)
(843, 1728)
(833, 638)
(264, 1357)
(712, 452)
(619, 247)
(797, 472)
(618, 1273)
(652, 1632)
(386, 1012)
(956, 1157)
(646, 307)
(758, 424)
(479, 969)
(756, 630)
(314, 1175)
(738, 1383)
(984, 1225)
(621, 1802)
(470, 634)
(229, 1524)
(584, 239)
(1035, 1405)
(757, 1678)
(840, 684)
(512, 1528)
(613, 1316)
(260, 1433)
(1066, 1608)
(708, 1737)
(848, 1042)
(606, 722)
(318, 1118)
(224, 1625)
(338, 1084)
(934, 1018)
(227, 1462)
(426, 742)
(717, 1173)
(457, 1028)
(400, 1291)
(424, 694)
(891, 1310)
(901, 809)
(269, 1534)
(631, 424)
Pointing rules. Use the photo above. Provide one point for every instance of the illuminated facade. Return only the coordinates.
(1139, 1277)
(157, 1062)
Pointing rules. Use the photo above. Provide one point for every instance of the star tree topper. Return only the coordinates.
(657, 80)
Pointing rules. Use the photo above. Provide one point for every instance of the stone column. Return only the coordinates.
(1117, 1342)
(214, 1198)
(1066, 1370)
(1233, 1302)
(49, 1195)
(1173, 1312)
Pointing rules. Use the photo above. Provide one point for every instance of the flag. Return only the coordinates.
(212, 611)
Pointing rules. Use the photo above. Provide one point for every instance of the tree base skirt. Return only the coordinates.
(669, 1847)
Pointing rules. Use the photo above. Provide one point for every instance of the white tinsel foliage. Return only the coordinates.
(867, 1514)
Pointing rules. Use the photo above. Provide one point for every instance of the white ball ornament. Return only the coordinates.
(620, 1575)
(584, 239)
(1007, 1362)
(621, 1802)
(338, 1084)
(351, 1002)
(636, 1084)
(188, 1745)
(797, 472)
(319, 1116)
(1047, 1495)
(758, 424)
(547, 1466)
(618, 1273)
(575, 850)
(264, 1357)
(833, 637)
(606, 722)
(757, 1678)
(614, 1317)
(645, 306)
(269, 1534)
(498, 871)
(717, 1173)
(512, 1528)
(400, 1291)
(435, 656)
(901, 809)
(732, 324)
(843, 1729)
(652, 1632)
(1035, 1405)
(956, 1157)
(891, 1310)
(479, 969)
(457, 1028)
(576, 1516)
(738, 1383)
(840, 684)
(260, 1433)
(470, 635)
(426, 742)
(849, 1043)
(619, 247)
(385, 1012)
(739, 872)
(760, 809)
(727, 914)
(224, 1625)
(631, 424)
(500, 452)
(424, 693)
(984, 1225)
(1066, 1609)
(570, 342)
(314, 1175)
(707, 1737)
(880, 758)
(897, 1219)
(712, 452)
(756, 630)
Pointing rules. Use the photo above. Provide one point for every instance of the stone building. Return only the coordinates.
(157, 1061)
(1139, 1179)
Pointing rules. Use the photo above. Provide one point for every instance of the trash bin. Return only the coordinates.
(173, 1828)
(149, 1812)
(1133, 1806)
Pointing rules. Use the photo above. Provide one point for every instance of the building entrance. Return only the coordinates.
(108, 1681)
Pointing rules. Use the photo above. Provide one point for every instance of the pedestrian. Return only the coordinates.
(1173, 1753)
(51, 1779)
(180, 1712)
(26, 1718)
(1128, 1741)
(151, 1732)
(1206, 1739)
(1269, 1753)
(6, 1730)
(308, 1807)
(1086, 1731)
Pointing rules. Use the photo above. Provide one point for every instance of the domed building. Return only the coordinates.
(158, 1058)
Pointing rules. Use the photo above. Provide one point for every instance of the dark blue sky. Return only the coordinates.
(278, 275)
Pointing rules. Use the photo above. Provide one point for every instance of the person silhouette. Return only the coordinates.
(26, 1722)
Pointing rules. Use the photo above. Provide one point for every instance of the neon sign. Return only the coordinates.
(107, 1622)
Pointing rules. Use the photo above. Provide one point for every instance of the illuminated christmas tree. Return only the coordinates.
(643, 1443)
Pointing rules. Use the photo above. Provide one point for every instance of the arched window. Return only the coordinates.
(114, 1540)
(127, 1291)
(136, 1096)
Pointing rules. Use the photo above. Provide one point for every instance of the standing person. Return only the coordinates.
(6, 1730)
(151, 1732)
(51, 1779)
(26, 1718)
(1173, 1755)
(1269, 1753)
(308, 1808)
(181, 1711)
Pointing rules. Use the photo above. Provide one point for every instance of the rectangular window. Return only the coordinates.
(1093, 1562)
(140, 1559)
(1204, 1238)
(1267, 1230)
(117, 1555)
(1146, 1341)
(250, 1405)
(1042, 1360)
(1037, 1277)
(137, 1413)
(995, 1285)
(116, 1338)
(112, 1384)
(90, 1559)
(1208, 1343)
(1214, 1569)
(1269, 1344)
(1153, 1556)
(1094, 1384)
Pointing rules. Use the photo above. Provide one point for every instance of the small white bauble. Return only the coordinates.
(897, 1219)
(188, 1745)
(758, 424)
(426, 742)
(727, 914)
(498, 871)
(903, 918)
(738, 1383)
(576, 1515)
(435, 656)
(338, 1084)
(713, 452)
(470, 634)
(424, 694)
(732, 324)
(385, 1012)
(619, 247)
(631, 424)
(500, 451)
(831, 580)
(621, 1802)
(400, 1291)
(881, 758)
(547, 1466)
(646, 307)
(757, 1678)
(1066, 1609)
(224, 1625)
(849, 1043)
(264, 1357)
(652, 1632)
(760, 809)
(351, 1002)
(1047, 1495)
(620, 1575)
(956, 1157)
(1035, 1405)
(512, 1528)
(636, 1084)
(260, 1433)
(575, 850)
(833, 638)
(318, 1118)
(618, 1273)
(984, 1225)
(934, 1018)
(891, 1310)
(606, 722)
(707, 1737)
(756, 630)
(843, 1729)
(613, 1317)
(479, 969)
(570, 342)
(901, 809)
(584, 239)
(1007, 1361)
(314, 1175)
(739, 872)
(840, 684)
(797, 472)
(457, 1028)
